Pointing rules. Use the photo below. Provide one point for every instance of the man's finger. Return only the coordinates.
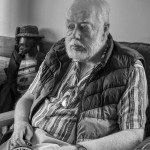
(29, 134)
(13, 141)
(21, 140)
(18, 141)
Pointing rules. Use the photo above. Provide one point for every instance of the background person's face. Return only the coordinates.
(84, 32)
(25, 45)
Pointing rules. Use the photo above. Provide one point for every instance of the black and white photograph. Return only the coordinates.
(74, 74)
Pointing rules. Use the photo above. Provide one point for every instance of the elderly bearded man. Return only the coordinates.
(90, 91)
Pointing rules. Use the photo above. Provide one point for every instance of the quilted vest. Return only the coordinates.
(104, 88)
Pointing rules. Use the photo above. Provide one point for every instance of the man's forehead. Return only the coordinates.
(82, 10)
(79, 16)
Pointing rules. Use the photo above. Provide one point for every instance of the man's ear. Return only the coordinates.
(106, 30)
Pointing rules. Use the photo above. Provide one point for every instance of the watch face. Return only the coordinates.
(22, 148)
(80, 147)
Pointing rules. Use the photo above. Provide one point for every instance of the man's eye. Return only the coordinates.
(70, 27)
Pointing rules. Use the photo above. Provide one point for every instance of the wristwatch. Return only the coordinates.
(80, 147)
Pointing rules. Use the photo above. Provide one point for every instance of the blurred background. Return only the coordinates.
(130, 19)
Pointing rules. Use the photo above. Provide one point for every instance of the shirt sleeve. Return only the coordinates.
(132, 106)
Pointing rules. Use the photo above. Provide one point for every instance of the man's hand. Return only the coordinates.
(23, 132)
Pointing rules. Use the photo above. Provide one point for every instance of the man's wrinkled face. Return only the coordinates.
(84, 32)
(25, 45)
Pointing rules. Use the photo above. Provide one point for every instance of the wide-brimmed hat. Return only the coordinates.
(28, 31)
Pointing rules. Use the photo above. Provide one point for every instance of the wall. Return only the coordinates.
(12, 13)
(129, 18)
(49, 15)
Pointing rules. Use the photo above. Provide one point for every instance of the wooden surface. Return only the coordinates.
(6, 46)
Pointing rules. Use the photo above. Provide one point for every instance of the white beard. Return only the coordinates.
(83, 54)
(77, 55)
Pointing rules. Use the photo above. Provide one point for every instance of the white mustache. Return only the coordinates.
(76, 43)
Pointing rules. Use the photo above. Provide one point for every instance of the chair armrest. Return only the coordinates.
(6, 118)
(144, 145)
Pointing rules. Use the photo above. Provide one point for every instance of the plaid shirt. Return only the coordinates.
(58, 115)
(133, 104)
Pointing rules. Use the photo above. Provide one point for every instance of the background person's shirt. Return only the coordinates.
(26, 74)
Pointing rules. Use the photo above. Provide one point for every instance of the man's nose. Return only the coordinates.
(22, 44)
(23, 41)
(76, 33)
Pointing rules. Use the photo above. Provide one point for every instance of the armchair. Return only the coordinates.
(143, 48)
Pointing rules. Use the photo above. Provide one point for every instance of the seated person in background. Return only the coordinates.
(90, 91)
(26, 57)
(23, 66)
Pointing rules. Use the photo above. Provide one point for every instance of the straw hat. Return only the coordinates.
(28, 31)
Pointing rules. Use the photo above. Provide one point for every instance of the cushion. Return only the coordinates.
(144, 49)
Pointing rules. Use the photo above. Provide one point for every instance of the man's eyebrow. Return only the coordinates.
(85, 22)
(68, 21)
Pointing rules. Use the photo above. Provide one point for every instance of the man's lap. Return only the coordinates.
(40, 141)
